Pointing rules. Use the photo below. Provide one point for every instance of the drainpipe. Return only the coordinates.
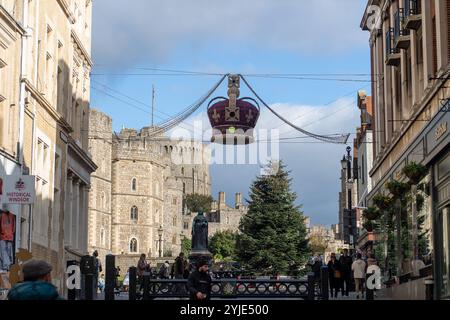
(23, 70)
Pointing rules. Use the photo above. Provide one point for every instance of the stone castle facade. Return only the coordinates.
(136, 203)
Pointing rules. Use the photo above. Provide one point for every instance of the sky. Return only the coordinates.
(320, 41)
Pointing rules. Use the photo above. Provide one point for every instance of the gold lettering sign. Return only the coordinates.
(440, 130)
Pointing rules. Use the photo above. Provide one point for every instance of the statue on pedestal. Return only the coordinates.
(199, 239)
(200, 233)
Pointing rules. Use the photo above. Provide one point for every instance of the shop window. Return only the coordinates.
(446, 252)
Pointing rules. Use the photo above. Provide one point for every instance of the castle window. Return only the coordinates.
(182, 171)
(134, 213)
(134, 184)
(174, 239)
(185, 225)
(133, 246)
(174, 221)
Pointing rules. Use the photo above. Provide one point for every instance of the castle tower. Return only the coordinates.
(99, 215)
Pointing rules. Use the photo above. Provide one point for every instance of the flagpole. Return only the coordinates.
(153, 102)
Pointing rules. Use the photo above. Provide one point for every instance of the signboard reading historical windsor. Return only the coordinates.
(17, 189)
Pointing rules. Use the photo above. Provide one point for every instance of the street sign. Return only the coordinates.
(18, 190)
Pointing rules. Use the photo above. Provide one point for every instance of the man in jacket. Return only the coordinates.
(37, 284)
(346, 265)
(199, 283)
(359, 273)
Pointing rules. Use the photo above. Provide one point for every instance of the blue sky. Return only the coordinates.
(266, 36)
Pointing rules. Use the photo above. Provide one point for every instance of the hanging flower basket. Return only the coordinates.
(415, 172)
(420, 201)
(372, 213)
(368, 226)
(397, 188)
(382, 202)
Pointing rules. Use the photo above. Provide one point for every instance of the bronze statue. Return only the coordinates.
(200, 233)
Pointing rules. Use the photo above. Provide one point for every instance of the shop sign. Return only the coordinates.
(18, 189)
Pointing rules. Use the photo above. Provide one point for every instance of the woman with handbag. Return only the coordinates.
(335, 275)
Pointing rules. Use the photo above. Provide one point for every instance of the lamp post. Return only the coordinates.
(160, 233)
(346, 164)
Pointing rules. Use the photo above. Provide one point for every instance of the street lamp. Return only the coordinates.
(160, 233)
(346, 163)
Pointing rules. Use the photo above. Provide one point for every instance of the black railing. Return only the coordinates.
(309, 288)
(390, 48)
(234, 288)
(399, 30)
(412, 7)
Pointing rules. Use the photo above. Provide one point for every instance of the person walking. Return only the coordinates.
(179, 266)
(199, 283)
(315, 268)
(359, 273)
(335, 275)
(37, 283)
(346, 262)
(97, 270)
(142, 268)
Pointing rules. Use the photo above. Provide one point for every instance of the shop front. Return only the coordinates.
(431, 148)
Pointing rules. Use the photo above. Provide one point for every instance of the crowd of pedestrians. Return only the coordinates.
(346, 273)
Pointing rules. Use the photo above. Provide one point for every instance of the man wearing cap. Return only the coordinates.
(199, 282)
(36, 283)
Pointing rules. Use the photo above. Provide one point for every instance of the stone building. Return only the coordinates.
(137, 199)
(44, 110)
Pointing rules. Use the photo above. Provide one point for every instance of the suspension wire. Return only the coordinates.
(183, 115)
(338, 139)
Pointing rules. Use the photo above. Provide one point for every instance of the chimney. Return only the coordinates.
(222, 204)
(238, 200)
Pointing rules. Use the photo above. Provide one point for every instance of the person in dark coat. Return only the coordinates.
(335, 275)
(37, 284)
(199, 283)
(346, 262)
(315, 268)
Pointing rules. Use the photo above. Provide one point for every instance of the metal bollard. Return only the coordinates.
(324, 283)
(132, 275)
(311, 286)
(429, 284)
(369, 292)
(87, 269)
(72, 293)
(110, 277)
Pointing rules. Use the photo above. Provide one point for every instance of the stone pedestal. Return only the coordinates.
(196, 256)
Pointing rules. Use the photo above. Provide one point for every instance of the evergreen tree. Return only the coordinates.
(222, 245)
(273, 232)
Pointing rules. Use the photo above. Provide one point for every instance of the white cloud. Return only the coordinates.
(126, 33)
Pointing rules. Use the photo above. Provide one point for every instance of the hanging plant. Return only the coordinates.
(382, 202)
(368, 225)
(415, 172)
(371, 213)
(397, 188)
(420, 201)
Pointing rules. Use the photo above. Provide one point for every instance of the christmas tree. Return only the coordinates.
(272, 237)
